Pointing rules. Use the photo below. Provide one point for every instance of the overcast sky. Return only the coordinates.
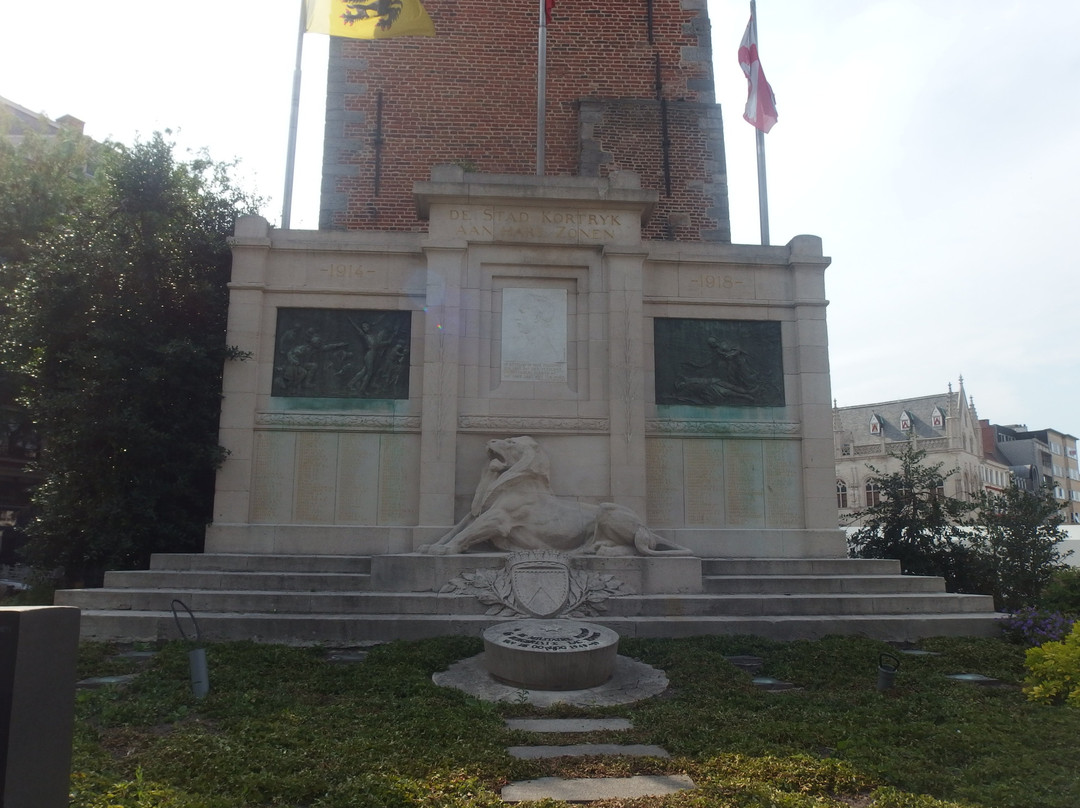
(934, 145)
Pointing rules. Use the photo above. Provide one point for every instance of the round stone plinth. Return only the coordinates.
(551, 654)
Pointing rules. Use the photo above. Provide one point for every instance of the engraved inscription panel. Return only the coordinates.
(783, 492)
(744, 483)
(272, 477)
(335, 353)
(731, 283)
(357, 476)
(398, 473)
(564, 225)
(705, 477)
(316, 471)
(664, 482)
(533, 335)
(710, 363)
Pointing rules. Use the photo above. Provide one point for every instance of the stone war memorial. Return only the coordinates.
(480, 394)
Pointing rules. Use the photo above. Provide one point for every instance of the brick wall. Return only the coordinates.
(396, 107)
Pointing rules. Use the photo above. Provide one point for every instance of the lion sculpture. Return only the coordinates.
(514, 509)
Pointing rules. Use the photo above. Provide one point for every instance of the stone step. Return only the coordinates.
(361, 564)
(431, 603)
(819, 584)
(233, 580)
(800, 566)
(568, 724)
(343, 630)
(593, 789)
(583, 749)
(261, 562)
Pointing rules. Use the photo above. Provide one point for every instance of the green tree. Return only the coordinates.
(1018, 535)
(918, 524)
(41, 179)
(117, 321)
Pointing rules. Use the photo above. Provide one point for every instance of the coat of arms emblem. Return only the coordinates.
(541, 582)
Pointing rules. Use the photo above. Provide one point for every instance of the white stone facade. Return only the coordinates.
(532, 304)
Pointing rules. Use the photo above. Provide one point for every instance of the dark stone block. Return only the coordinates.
(334, 353)
(714, 363)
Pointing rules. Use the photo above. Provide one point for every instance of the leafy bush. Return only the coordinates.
(114, 326)
(1054, 671)
(1062, 591)
(1017, 536)
(1005, 544)
(1033, 627)
(917, 524)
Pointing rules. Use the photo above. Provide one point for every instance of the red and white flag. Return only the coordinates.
(760, 103)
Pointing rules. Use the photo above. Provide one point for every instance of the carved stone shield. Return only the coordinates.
(541, 582)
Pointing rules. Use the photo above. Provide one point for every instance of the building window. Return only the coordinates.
(937, 419)
(939, 489)
(841, 494)
(875, 425)
(905, 421)
(873, 495)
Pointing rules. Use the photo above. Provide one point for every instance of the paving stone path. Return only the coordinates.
(594, 788)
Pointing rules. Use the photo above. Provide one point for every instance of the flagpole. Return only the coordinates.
(762, 189)
(541, 88)
(294, 120)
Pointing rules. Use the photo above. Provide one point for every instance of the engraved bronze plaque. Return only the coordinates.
(336, 353)
(718, 363)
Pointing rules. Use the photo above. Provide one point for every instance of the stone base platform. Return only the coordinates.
(333, 600)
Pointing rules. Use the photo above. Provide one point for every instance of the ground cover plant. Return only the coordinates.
(288, 727)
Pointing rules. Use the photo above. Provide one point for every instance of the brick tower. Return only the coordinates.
(629, 88)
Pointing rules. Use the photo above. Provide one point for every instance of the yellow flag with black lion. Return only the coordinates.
(367, 19)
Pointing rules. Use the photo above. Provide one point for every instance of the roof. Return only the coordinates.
(857, 419)
(21, 120)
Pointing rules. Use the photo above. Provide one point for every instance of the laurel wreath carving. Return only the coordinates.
(588, 592)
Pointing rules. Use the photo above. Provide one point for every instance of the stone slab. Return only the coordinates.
(569, 724)
(632, 681)
(590, 789)
(582, 749)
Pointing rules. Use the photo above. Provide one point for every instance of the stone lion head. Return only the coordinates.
(510, 459)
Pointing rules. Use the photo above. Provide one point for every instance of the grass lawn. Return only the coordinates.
(285, 727)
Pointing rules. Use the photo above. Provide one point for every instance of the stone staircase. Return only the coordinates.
(338, 600)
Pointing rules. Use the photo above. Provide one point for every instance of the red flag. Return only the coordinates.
(548, 5)
(760, 103)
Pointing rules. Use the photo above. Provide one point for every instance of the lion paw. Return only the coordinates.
(437, 549)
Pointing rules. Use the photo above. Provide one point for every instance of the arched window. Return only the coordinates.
(841, 494)
(873, 495)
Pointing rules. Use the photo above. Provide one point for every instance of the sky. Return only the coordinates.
(933, 145)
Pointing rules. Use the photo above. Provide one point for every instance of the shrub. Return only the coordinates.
(1033, 627)
(1054, 671)
(1062, 591)
(917, 524)
(1017, 536)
